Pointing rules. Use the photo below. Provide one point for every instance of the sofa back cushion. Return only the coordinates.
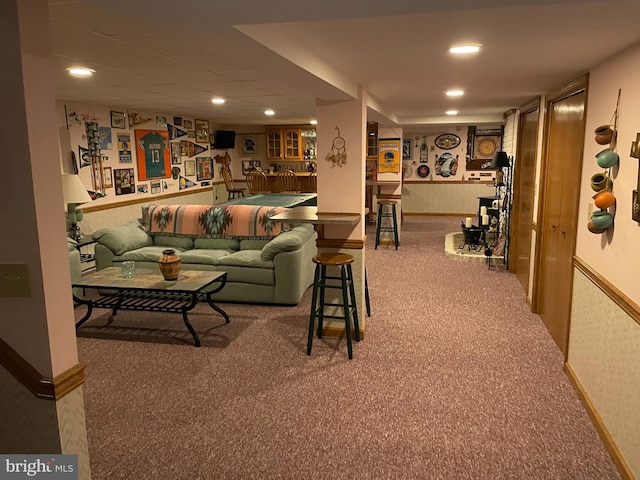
(123, 238)
(179, 243)
(229, 244)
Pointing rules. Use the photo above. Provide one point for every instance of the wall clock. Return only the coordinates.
(447, 141)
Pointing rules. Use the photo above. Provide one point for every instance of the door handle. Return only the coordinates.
(553, 227)
(564, 234)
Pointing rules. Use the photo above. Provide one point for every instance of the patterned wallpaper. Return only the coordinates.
(604, 353)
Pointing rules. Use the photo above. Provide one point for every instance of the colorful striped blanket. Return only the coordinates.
(213, 221)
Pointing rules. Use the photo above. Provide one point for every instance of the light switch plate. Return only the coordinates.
(14, 280)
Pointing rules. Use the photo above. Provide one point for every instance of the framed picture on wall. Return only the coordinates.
(204, 168)
(189, 167)
(107, 177)
(118, 120)
(202, 131)
(124, 180)
(249, 166)
(155, 186)
(176, 153)
(152, 153)
(406, 150)
(249, 145)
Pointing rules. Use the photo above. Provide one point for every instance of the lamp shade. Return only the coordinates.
(73, 190)
(500, 160)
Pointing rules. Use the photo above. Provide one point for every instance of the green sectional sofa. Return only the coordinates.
(265, 262)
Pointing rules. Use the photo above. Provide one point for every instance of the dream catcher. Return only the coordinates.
(338, 154)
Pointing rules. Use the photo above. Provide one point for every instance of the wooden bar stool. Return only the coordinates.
(385, 213)
(320, 284)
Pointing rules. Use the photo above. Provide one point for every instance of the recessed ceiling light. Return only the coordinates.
(313, 122)
(454, 93)
(80, 71)
(465, 49)
(269, 112)
(218, 100)
(451, 112)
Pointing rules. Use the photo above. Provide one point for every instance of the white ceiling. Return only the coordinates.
(169, 56)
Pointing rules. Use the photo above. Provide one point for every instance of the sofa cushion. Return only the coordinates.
(122, 238)
(249, 244)
(286, 242)
(144, 254)
(245, 258)
(231, 245)
(179, 243)
(202, 256)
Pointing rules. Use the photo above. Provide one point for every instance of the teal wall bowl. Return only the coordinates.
(607, 158)
(602, 219)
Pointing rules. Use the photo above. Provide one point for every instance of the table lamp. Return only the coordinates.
(74, 194)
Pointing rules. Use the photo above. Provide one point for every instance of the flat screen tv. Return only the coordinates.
(225, 139)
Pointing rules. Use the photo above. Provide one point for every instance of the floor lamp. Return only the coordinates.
(74, 194)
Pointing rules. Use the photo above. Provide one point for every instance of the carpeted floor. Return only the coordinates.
(455, 379)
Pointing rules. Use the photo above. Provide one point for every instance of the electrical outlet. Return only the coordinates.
(14, 280)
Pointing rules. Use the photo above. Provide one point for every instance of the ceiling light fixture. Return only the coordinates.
(217, 100)
(451, 112)
(269, 112)
(81, 72)
(464, 49)
(313, 122)
(454, 93)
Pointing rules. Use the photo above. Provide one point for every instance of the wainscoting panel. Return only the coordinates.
(604, 355)
(441, 198)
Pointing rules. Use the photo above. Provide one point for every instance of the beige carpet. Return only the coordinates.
(455, 379)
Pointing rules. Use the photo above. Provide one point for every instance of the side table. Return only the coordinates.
(84, 241)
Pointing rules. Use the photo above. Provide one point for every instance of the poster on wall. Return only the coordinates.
(105, 138)
(249, 145)
(124, 148)
(152, 154)
(389, 155)
(125, 183)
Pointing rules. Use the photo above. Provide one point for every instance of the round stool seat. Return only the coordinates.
(387, 202)
(333, 259)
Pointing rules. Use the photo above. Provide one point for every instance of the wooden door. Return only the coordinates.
(524, 182)
(561, 186)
